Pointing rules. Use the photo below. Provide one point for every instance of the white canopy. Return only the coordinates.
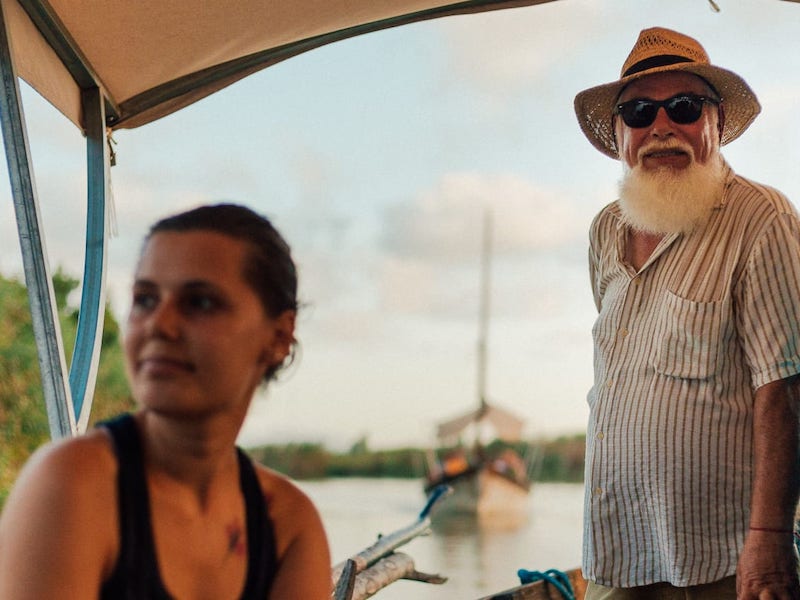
(150, 58)
(507, 425)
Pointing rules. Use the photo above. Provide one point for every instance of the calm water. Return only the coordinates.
(477, 558)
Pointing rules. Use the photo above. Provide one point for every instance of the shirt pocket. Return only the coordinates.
(690, 336)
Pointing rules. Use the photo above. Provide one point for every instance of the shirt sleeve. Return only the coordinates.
(595, 243)
(768, 315)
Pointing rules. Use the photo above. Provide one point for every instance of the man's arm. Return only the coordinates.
(767, 562)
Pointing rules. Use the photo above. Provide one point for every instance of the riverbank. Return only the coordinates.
(559, 459)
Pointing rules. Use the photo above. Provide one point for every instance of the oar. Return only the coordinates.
(394, 565)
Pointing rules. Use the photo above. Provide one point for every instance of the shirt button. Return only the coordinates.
(609, 383)
(598, 491)
(637, 280)
(600, 436)
(624, 332)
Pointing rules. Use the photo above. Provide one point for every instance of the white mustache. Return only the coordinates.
(667, 145)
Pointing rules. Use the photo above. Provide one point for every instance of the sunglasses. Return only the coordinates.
(681, 108)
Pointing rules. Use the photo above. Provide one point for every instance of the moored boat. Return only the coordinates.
(488, 479)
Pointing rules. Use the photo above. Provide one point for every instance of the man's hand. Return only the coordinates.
(767, 567)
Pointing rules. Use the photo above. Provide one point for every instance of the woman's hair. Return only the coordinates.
(268, 267)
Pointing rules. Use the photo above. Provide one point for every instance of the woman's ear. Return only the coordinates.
(281, 343)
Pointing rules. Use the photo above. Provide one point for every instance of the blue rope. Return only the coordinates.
(558, 579)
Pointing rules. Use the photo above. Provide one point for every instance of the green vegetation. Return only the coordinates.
(552, 460)
(314, 461)
(23, 416)
(561, 459)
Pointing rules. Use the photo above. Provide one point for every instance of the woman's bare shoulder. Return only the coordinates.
(294, 516)
(71, 465)
(62, 510)
(281, 492)
(302, 546)
(67, 481)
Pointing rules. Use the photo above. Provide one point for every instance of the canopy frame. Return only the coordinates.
(68, 407)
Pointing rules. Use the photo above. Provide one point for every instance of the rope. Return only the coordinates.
(558, 579)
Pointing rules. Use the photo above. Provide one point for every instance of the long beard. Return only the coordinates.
(664, 201)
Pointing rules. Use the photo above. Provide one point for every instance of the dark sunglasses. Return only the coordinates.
(681, 108)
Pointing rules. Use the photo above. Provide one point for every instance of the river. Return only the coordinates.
(477, 558)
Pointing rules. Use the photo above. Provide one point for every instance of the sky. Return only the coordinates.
(377, 158)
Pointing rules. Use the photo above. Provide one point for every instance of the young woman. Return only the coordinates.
(161, 504)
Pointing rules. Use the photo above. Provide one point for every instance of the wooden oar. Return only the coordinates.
(378, 565)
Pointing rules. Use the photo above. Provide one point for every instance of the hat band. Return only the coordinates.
(661, 60)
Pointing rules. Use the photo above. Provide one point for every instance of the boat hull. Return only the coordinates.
(483, 492)
(542, 590)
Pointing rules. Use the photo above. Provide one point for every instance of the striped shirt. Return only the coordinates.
(680, 347)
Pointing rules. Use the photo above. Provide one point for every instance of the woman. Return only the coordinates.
(161, 504)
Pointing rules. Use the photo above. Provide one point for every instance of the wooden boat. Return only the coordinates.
(487, 480)
(544, 589)
(485, 483)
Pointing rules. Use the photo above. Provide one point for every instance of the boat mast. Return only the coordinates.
(483, 314)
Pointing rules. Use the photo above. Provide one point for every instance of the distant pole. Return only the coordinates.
(484, 308)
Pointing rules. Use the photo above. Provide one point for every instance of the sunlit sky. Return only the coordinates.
(376, 158)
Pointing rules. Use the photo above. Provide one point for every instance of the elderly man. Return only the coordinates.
(692, 446)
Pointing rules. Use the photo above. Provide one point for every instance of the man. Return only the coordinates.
(692, 445)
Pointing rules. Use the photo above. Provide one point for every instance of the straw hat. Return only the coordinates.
(656, 51)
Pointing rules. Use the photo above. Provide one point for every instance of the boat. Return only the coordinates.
(550, 585)
(488, 479)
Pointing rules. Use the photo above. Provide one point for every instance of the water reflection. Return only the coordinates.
(467, 525)
(476, 545)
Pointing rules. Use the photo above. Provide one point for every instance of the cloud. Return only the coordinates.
(444, 224)
(432, 248)
(509, 51)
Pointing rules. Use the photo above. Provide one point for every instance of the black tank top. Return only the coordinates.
(136, 575)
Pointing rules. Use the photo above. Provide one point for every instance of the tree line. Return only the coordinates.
(559, 459)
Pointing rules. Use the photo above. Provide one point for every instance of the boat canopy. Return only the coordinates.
(150, 58)
(507, 425)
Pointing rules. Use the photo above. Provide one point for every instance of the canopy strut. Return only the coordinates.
(86, 355)
(63, 402)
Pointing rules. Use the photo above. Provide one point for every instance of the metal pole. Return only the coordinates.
(484, 309)
(86, 355)
(44, 313)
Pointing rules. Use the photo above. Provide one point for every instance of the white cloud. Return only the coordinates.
(445, 224)
(504, 52)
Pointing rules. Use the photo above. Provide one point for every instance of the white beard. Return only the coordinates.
(667, 200)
